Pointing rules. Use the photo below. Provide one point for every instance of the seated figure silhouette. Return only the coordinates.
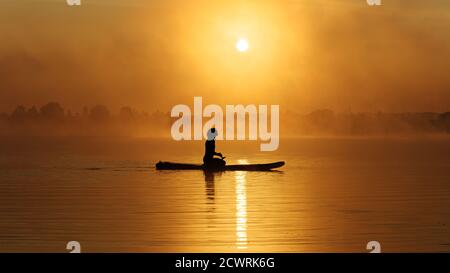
(210, 151)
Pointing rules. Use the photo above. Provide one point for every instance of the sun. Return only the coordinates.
(242, 45)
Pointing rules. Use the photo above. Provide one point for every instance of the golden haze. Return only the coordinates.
(304, 55)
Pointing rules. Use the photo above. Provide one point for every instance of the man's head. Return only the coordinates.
(212, 133)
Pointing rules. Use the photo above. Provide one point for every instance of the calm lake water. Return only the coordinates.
(332, 195)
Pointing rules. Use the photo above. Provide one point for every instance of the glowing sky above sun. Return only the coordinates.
(303, 55)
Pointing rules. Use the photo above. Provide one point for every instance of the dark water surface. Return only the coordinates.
(332, 195)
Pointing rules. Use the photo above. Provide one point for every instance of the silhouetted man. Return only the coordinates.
(210, 151)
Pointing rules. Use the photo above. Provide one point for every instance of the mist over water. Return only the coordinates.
(52, 119)
(334, 194)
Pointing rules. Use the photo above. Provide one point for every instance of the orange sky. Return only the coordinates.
(304, 54)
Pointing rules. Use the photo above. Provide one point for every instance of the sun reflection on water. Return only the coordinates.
(241, 210)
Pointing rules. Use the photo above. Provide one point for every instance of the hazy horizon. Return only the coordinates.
(117, 108)
(52, 119)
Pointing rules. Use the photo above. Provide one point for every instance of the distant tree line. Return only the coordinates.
(326, 122)
(53, 119)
